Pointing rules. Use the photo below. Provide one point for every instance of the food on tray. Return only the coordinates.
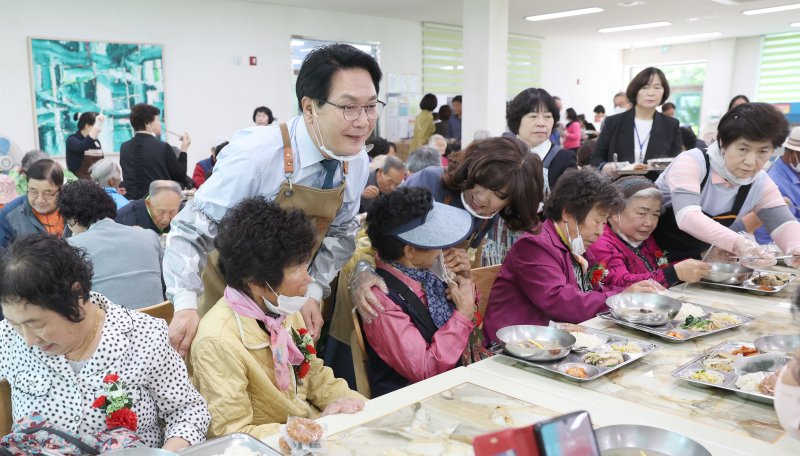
(586, 341)
(697, 324)
(304, 430)
(675, 334)
(629, 347)
(285, 448)
(576, 371)
(604, 358)
(722, 319)
(767, 386)
(750, 382)
(772, 279)
(720, 361)
(569, 327)
(553, 347)
(689, 310)
(744, 350)
(708, 376)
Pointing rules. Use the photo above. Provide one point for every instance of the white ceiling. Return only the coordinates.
(686, 16)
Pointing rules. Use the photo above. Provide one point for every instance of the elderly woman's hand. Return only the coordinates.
(691, 270)
(457, 261)
(312, 317)
(462, 293)
(344, 405)
(645, 286)
(364, 299)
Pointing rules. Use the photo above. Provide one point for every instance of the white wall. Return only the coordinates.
(731, 67)
(582, 74)
(206, 93)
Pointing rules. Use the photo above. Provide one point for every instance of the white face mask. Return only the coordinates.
(287, 305)
(317, 132)
(787, 405)
(576, 245)
(472, 211)
(619, 109)
(439, 269)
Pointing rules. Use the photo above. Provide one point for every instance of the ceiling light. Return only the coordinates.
(774, 9)
(577, 12)
(796, 24)
(625, 28)
(630, 3)
(693, 19)
(296, 42)
(692, 37)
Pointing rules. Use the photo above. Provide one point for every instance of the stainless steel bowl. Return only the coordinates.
(785, 343)
(728, 273)
(659, 163)
(630, 438)
(141, 452)
(650, 309)
(509, 335)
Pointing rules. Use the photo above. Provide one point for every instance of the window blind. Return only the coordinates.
(524, 63)
(779, 76)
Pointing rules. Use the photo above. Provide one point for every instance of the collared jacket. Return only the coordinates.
(537, 284)
(617, 137)
(17, 219)
(624, 267)
(252, 165)
(788, 182)
(145, 158)
(134, 346)
(232, 367)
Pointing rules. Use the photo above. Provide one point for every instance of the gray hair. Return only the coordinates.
(481, 134)
(646, 193)
(422, 158)
(158, 186)
(104, 170)
(432, 140)
(32, 157)
(390, 163)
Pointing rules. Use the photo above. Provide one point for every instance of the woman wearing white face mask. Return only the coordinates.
(787, 396)
(545, 277)
(245, 360)
(707, 193)
(627, 246)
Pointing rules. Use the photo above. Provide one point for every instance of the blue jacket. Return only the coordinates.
(17, 219)
(788, 182)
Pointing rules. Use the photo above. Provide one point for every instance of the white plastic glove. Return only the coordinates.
(793, 262)
(752, 255)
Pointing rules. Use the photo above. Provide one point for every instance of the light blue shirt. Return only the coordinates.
(252, 164)
(788, 183)
(119, 200)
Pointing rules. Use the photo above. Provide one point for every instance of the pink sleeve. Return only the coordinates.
(704, 228)
(685, 174)
(573, 132)
(398, 342)
(618, 274)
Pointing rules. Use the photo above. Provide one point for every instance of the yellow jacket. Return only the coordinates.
(233, 370)
(423, 130)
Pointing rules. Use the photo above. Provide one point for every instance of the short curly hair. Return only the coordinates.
(258, 239)
(84, 202)
(527, 101)
(42, 270)
(389, 212)
(502, 164)
(578, 192)
(142, 114)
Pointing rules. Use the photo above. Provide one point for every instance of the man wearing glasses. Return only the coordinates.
(316, 162)
(36, 212)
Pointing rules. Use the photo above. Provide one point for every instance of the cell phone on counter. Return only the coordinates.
(566, 435)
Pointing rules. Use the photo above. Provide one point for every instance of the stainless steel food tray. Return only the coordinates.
(219, 445)
(576, 357)
(674, 325)
(748, 285)
(729, 383)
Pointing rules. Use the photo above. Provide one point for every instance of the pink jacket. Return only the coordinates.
(573, 138)
(399, 343)
(624, 267)
(537, 284)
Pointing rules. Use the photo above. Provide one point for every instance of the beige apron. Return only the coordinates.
(318, 204)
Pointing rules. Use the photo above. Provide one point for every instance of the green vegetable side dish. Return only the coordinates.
(697, 323)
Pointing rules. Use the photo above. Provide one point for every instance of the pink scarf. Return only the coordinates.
(284, 351)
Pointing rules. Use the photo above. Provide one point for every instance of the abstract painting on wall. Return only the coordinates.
(72, 77)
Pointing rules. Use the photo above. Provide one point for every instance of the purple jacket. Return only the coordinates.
(537, 284)
(624, 267)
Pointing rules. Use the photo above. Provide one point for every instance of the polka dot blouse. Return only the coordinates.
(133, 345)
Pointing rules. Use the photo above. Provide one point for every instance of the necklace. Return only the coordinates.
(88, 341)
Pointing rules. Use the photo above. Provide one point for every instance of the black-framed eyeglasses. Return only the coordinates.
(352, 111)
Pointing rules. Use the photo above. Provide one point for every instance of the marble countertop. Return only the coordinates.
(442, 414)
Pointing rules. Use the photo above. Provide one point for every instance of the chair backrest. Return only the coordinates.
(163, 310)
(484, 280)
(358, 349)
(5, 408)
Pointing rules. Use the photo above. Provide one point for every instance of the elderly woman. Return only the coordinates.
(37, 212)
(708, 192)
(427, 319)
(252, 358)
(545, 276)
(627, 248)
(59, 342)
(108, 174)
(641, 133)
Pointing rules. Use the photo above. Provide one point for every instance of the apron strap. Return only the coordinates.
(708, 170)
(288, 156)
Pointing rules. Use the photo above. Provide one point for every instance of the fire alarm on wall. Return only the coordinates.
(253, 60)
